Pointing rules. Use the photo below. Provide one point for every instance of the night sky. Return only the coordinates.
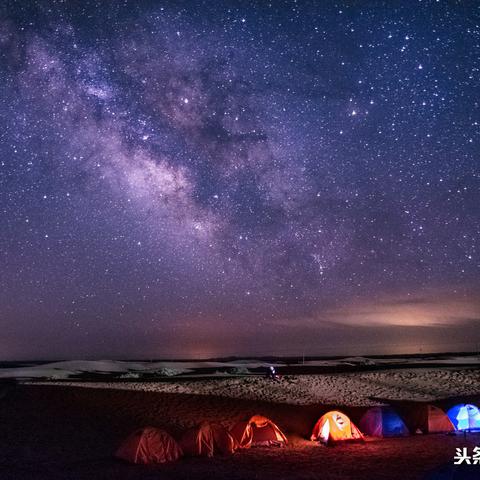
(198, 179)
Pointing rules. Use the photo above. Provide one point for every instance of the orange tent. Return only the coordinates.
(428, 419)
(257, 431)
(207, 439)
(334, 427)
(149, 445)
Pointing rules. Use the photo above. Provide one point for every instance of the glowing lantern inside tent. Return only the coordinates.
(465, 417)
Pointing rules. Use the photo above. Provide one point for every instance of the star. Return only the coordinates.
(316, 167)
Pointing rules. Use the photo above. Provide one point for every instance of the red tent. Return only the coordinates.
(257, 431)
(428, 419)
(149, 445)
(207, 440)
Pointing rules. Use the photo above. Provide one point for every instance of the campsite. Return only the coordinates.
(392, 423)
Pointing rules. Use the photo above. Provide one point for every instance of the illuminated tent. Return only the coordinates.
(383, 422)
(465, 417)
(335, 427)
(149, 445)
(257, 431)
(207, 440)
(428, 419)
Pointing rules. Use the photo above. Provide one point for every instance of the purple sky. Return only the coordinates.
(187, 179)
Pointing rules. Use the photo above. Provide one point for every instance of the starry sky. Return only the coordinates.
(200, 179)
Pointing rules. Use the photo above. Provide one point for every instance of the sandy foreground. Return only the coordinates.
(352, 389)
(58, 430)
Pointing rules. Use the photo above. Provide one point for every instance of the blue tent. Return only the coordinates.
(465, 417)
(383, 422)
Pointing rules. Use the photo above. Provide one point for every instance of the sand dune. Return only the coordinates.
(124, 369)
(356, 389)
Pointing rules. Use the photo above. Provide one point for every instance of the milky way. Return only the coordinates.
(232, 178)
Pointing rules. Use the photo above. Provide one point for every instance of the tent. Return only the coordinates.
(428, 419)
(257, 431)
(383, 422)
(207, 440)
(335, 427)
(465, 417)
(149, 445)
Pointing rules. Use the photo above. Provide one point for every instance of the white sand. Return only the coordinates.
(69, 368)
(72, 368)
(359, 389)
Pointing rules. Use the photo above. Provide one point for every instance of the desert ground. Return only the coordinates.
(70, 429)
